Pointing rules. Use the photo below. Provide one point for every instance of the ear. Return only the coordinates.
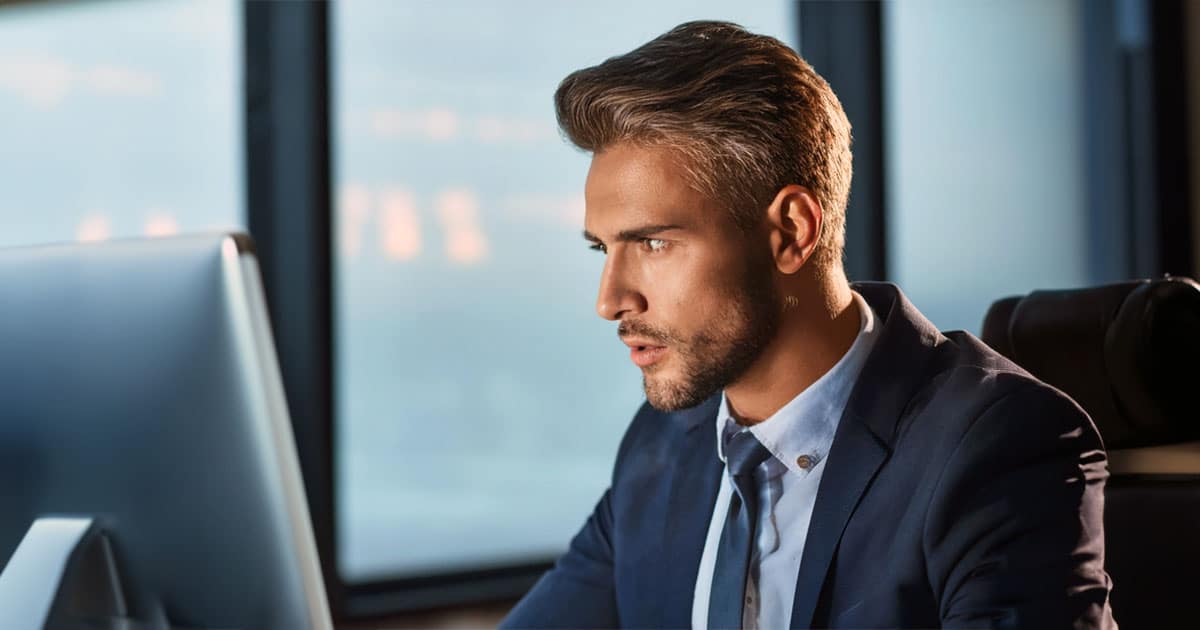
(794, 221)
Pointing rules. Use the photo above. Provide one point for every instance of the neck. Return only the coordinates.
(812, 338)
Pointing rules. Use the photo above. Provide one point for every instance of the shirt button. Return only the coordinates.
(749, 600)
(804, 462)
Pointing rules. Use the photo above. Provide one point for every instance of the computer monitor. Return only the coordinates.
(139, 387)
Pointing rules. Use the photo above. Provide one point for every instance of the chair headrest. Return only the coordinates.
(1128, 353)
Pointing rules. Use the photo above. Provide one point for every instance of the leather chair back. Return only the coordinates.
(1129, 354)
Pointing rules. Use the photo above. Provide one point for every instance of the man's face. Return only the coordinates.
(693, 294)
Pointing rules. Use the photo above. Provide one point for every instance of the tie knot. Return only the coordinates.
(744, 453)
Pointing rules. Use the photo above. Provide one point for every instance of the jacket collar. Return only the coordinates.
(897, 369)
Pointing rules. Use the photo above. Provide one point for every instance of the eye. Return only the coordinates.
(599, 247)
(654, 244)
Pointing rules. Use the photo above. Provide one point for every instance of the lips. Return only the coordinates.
(643, 352)
(645, 356)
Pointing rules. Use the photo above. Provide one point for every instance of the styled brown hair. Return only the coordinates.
(744, 111)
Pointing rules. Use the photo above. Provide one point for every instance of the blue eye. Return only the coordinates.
(654, 244)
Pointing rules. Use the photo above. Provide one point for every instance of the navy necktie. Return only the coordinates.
(743, 454)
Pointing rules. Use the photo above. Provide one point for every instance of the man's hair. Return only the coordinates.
(745, 113)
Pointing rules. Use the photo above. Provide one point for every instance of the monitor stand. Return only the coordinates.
(63, 575)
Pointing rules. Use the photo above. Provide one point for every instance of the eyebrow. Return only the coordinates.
(635, 234)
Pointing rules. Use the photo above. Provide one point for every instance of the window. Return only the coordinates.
(480, 399)
(986, 159)
(121, 118)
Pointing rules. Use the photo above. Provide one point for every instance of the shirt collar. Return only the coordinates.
(805, 426)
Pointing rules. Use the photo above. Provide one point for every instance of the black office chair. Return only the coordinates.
(1129, 354)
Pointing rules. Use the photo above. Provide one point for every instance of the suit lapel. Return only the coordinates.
(896, 369)
(854, 458)
(695, 479)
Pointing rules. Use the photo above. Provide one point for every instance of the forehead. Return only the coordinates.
(637, 184)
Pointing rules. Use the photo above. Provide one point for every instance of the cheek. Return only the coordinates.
(691, 291)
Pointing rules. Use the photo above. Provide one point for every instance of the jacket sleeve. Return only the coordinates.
(1014, 536)
(580, 591)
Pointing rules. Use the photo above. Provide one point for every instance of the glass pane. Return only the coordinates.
(121, 118)
(985, 159)
(480, 399)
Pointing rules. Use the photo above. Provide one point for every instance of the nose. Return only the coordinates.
(618, 296)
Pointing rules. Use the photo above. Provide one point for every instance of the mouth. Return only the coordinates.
(644, 353)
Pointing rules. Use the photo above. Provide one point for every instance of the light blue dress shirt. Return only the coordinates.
(798, 436)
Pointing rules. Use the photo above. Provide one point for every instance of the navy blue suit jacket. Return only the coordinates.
(959, 492)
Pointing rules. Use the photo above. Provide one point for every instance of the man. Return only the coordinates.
(812, 453)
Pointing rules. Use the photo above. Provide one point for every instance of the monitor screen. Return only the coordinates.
(139, 386)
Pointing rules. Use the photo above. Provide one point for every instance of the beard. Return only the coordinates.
(729, 344)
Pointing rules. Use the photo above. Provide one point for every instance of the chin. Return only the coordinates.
(668, 395)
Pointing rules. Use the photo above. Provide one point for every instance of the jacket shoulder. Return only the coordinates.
(969, 379)
(654, 437)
